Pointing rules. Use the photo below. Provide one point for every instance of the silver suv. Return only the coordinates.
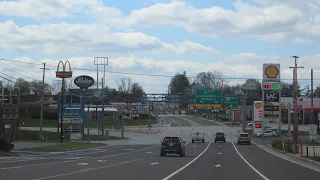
(197, 136)
(244, 138)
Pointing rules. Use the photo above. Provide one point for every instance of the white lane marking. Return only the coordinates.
(217, 165)
(219, 153)
(259, 173)
(127, 149)
(149, 152)
(185, 166)
(101, 160)
(220, 146)
(155, 163)
(82, 164)
(297, 163)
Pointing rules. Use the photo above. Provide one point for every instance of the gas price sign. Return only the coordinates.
(271, 86)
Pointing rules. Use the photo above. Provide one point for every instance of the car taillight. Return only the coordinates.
(238, 137)
(163, 142)
(179, 142)
(249, 137)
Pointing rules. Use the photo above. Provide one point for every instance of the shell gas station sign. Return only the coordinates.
(271, 72)
(257, 116)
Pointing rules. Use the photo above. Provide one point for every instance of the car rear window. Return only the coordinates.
(244, 135)
(172, 139)
(220, 134)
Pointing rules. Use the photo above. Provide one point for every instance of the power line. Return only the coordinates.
(156, 75)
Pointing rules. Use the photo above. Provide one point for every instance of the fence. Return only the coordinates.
(309, 150)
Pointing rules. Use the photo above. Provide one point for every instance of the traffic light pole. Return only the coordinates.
(244, 111)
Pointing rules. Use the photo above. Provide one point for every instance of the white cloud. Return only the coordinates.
(302, 41)
(40, 9)
(162, 70)
(272, 20)
(64, 37)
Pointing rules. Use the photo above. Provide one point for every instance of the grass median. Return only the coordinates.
(34, 136)
(69, 146)
(315, 158)
(108, 123)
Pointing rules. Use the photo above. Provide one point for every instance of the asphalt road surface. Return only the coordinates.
(138, 159)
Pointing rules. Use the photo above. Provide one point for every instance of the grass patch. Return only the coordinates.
(34, 136)
(25, 135)
(62, 147)
(315, 158)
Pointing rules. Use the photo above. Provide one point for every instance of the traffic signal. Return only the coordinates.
(212, 109)
(228, 108)
(150, 107)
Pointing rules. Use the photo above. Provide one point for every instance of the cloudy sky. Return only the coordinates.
(159, 38)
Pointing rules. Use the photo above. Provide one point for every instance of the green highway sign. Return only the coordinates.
(231, 101)
(208, 96)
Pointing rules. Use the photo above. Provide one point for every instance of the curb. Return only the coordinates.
(70, 151)
(294, 156)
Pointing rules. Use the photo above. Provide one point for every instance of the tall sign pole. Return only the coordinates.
(83, 82)
(64, 73)
(101, 61)
(271, 95)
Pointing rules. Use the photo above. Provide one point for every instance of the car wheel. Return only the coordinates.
(181, 154)
(238, 143)
(162, 154)
(224, 141)
(215, 141)
(202, 141)
(192, 141)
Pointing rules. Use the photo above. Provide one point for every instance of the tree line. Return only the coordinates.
(181, 84)
(34, 88)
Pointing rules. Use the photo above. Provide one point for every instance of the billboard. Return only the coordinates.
(271, 72)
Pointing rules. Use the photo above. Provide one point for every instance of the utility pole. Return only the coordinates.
(42, 97)
(312, 121)
(295, 101)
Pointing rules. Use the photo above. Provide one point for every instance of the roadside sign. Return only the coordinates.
(72, 113)
(231, 101)
(313, 132)
(208, 98)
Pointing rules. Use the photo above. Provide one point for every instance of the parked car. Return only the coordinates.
(267, 133)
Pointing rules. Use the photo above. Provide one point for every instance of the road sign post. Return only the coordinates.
(231, 101)
(207, 98)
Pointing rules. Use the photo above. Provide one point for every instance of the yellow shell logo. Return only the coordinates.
(258, 105)
(271, 72)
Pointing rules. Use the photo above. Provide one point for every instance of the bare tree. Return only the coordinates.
(124, 85)
(210, 79)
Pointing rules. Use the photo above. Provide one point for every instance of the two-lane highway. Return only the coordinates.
(135, 161)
